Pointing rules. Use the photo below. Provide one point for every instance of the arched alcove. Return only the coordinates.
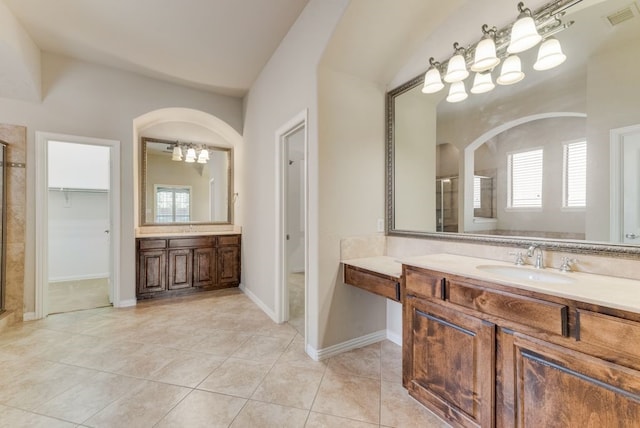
(188, 125)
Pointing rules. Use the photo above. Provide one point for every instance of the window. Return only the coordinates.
(574, 175)
(173, 204)
(525, 179)
(477, 192)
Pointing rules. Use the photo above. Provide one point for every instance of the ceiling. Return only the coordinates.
(215, 45)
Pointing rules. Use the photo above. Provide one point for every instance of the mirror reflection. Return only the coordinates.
(179, 189)
(554, 156)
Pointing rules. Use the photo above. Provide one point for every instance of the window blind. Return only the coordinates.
(525, 179)
(575, 175)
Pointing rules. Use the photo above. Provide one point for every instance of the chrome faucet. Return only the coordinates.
(531, 252)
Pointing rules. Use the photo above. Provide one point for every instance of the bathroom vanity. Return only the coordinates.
(487, 343)
(175, 265)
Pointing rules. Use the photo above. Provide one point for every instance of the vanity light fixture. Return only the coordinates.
(191, 155)
(203, 157)
(549, 55)
(497, 46)
(457, 92)
(524, 34)
(189, 152)
(485, 53)
(482, 83)
(177, 153)
(457, 66)
(511, 71)
(432, 80)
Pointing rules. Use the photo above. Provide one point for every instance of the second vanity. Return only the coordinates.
(488, 343)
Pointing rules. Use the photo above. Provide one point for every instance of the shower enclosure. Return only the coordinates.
(447, 204)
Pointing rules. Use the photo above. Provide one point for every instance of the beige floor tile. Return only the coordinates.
(390, 362)
(257, 414)
(87, 398)
(398, 409)
(289, 386)
(188, 369)
(319, 420)
(350, 397)
(203, 409)
(296, 356)
(13, 418)
(295, 283)
(35, 343)
(221, 342)
(236, 377)
(109, 356)
(363, 362)
(262, 348)
(143, 407)
(146, 360)
(66, 296)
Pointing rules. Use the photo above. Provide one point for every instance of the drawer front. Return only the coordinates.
(152, 244)
(200, 241)
(370, 281)
(547, 316)
(228, 240)
(616, 334)
(418, 282)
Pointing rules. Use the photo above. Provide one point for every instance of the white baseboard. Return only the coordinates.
(29, 316)
(125, 303)
(259, 302)
(79, 277)
(358, 342)
(394, 337)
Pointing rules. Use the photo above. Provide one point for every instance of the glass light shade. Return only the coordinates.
(511, 71)
(432, 81)
(457, 92)
(485, 56)
(191, 155)
(177, 154)
(482, 83)
(524, 35)
(456, 69)
(549, 55)
(203, 157)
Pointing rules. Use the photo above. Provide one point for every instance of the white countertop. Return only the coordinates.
(385, 265)
(183, 234)
(609, 291)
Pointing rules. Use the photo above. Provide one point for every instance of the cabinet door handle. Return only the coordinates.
(631, 236)
(443, 288)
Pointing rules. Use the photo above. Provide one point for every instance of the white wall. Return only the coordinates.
(286, 86)
(88, 100)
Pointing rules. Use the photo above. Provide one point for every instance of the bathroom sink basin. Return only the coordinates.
(521, 272)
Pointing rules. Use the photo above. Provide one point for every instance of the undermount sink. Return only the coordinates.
(521, 272)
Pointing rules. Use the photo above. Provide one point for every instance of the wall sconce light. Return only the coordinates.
(457, 66)
(203, 157)
(191, 155)
(497, 46)
(177, 153)
(524, 34)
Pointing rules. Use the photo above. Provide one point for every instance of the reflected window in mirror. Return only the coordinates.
(185, 189)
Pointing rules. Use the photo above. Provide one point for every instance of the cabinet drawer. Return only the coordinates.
(152, 244)
(371, 281)
(424, 284)
(616, 334)
(200, 241)
(228, 240)
(547, 316)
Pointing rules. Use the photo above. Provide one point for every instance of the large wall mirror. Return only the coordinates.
(174, 191)
(455, 170)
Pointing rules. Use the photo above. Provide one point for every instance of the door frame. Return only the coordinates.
(42, 214)
(299, 121)
(616, 172)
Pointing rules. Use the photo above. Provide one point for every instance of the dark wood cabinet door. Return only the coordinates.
(449, 362)
(228, 266)
(152, 271)
(554, 386)
(180, 269)
(204, 267)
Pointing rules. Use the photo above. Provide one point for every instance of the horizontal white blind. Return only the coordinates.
(477, 195)
(525, 178)
(575, 175)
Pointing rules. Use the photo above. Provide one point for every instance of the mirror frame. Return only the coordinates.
(143, 185)
(570, 246)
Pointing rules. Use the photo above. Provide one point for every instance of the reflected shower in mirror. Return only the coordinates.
(183, 186)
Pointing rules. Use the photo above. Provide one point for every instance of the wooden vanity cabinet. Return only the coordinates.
(178, 265)
(482, 355)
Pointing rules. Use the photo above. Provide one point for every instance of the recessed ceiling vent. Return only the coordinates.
(622, 15)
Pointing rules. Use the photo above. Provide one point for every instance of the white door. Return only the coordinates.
(631, 186)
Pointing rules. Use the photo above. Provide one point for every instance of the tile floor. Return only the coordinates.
(67, 296)
(211, 360)
(296, 301)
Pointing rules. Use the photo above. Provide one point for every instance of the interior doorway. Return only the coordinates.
(76, 221)
(625, 185)
(292, 207)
